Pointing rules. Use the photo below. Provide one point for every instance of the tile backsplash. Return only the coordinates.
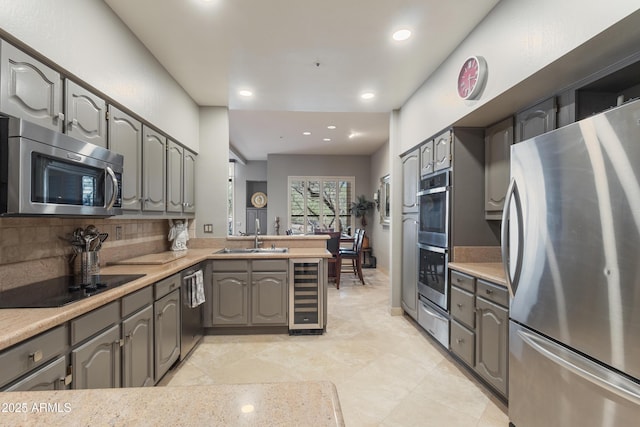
(33, 249)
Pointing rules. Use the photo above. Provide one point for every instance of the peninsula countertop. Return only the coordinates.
(19, 324)
(284, 404)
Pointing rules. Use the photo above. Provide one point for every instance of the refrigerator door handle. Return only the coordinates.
(512, 282)
(584, 368)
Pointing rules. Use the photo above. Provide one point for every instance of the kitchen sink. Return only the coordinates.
(253, 251)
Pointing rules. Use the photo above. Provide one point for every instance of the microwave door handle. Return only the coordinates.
(114, 193)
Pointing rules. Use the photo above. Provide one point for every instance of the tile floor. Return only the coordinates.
(386, 370)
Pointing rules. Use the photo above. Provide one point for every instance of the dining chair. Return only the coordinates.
(333, 246)
(355, 253)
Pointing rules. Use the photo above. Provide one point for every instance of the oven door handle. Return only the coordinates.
(433, 248)
(433, 191)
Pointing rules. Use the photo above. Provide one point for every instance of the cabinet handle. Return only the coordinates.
(36, 356)
(128, 336)
(119, 342)
(159, 315)
(488, 291)
(459, 305)
(60, 116)
(459, 340)
(66, 380)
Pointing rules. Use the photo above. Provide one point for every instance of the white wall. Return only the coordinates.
(212, 171)
(379, 234)
(518, 38)
(87, 39)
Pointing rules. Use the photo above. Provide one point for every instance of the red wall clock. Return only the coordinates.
(472, 77)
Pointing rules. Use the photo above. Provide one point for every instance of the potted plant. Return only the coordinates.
(360, 208)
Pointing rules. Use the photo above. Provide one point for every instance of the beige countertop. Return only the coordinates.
(491, 271)
(17, 325)
(282, 404)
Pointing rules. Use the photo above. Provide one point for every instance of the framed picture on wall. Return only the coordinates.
(385, 200)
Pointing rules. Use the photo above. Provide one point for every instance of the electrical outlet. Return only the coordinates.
(118, 232)
(208, 228)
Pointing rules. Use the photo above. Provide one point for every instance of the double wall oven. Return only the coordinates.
(433, 248)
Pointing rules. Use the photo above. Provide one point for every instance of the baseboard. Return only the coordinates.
(396, 311)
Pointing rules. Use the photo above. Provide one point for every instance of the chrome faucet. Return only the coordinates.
(257, 243)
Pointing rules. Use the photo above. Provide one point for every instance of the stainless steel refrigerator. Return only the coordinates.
(571, 248)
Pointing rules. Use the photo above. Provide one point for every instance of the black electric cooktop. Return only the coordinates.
(61, 291)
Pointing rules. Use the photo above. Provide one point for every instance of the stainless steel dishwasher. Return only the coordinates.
(192, 329)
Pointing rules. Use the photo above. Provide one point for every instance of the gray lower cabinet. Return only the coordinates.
(269, 298)
(410, 264)
(248, 293)
(230, 298)
(492, 331)
(166, 332)
(479, 328)
(96, 363)
(138, 350)
(50, 377)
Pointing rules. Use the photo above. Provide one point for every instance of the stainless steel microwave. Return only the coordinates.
(44, 172)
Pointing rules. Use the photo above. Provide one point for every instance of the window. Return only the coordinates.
(320, 203)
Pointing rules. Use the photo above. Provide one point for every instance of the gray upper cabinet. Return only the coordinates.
(189, 182)
(497, 144)
(125, 137)
(86, 114)
(410, 180)
(154, 151)
(174, 177)
(534, 121)
(29, 89)
(410, 265)
(442, 151)
(426, 158)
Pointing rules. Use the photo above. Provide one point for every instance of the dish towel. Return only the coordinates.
(196, 294)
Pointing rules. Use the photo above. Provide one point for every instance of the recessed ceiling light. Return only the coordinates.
(331, 127)
(245, 93)
(326, 139)
(367, 95)
(401, 35)
(306, 133)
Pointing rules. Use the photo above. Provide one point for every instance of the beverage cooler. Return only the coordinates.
(307, 296)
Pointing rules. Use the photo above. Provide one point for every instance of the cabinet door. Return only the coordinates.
(536, 120)
(410, 265)
(252, 215)
(230, 299)
(86, 115)
(125, 137)
(29, 89)
(410, 180)
(96, 364)
(497, 147)
(174, 177)
(154, 151)
(492, 328)
(166, 332)
(269, 298)
(189, 182)
(426, 158)
(49, 377)
(137, 355)
(442, 151)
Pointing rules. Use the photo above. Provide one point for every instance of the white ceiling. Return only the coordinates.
(306, 62)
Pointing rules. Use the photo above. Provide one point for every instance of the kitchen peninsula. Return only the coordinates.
(65, 329)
